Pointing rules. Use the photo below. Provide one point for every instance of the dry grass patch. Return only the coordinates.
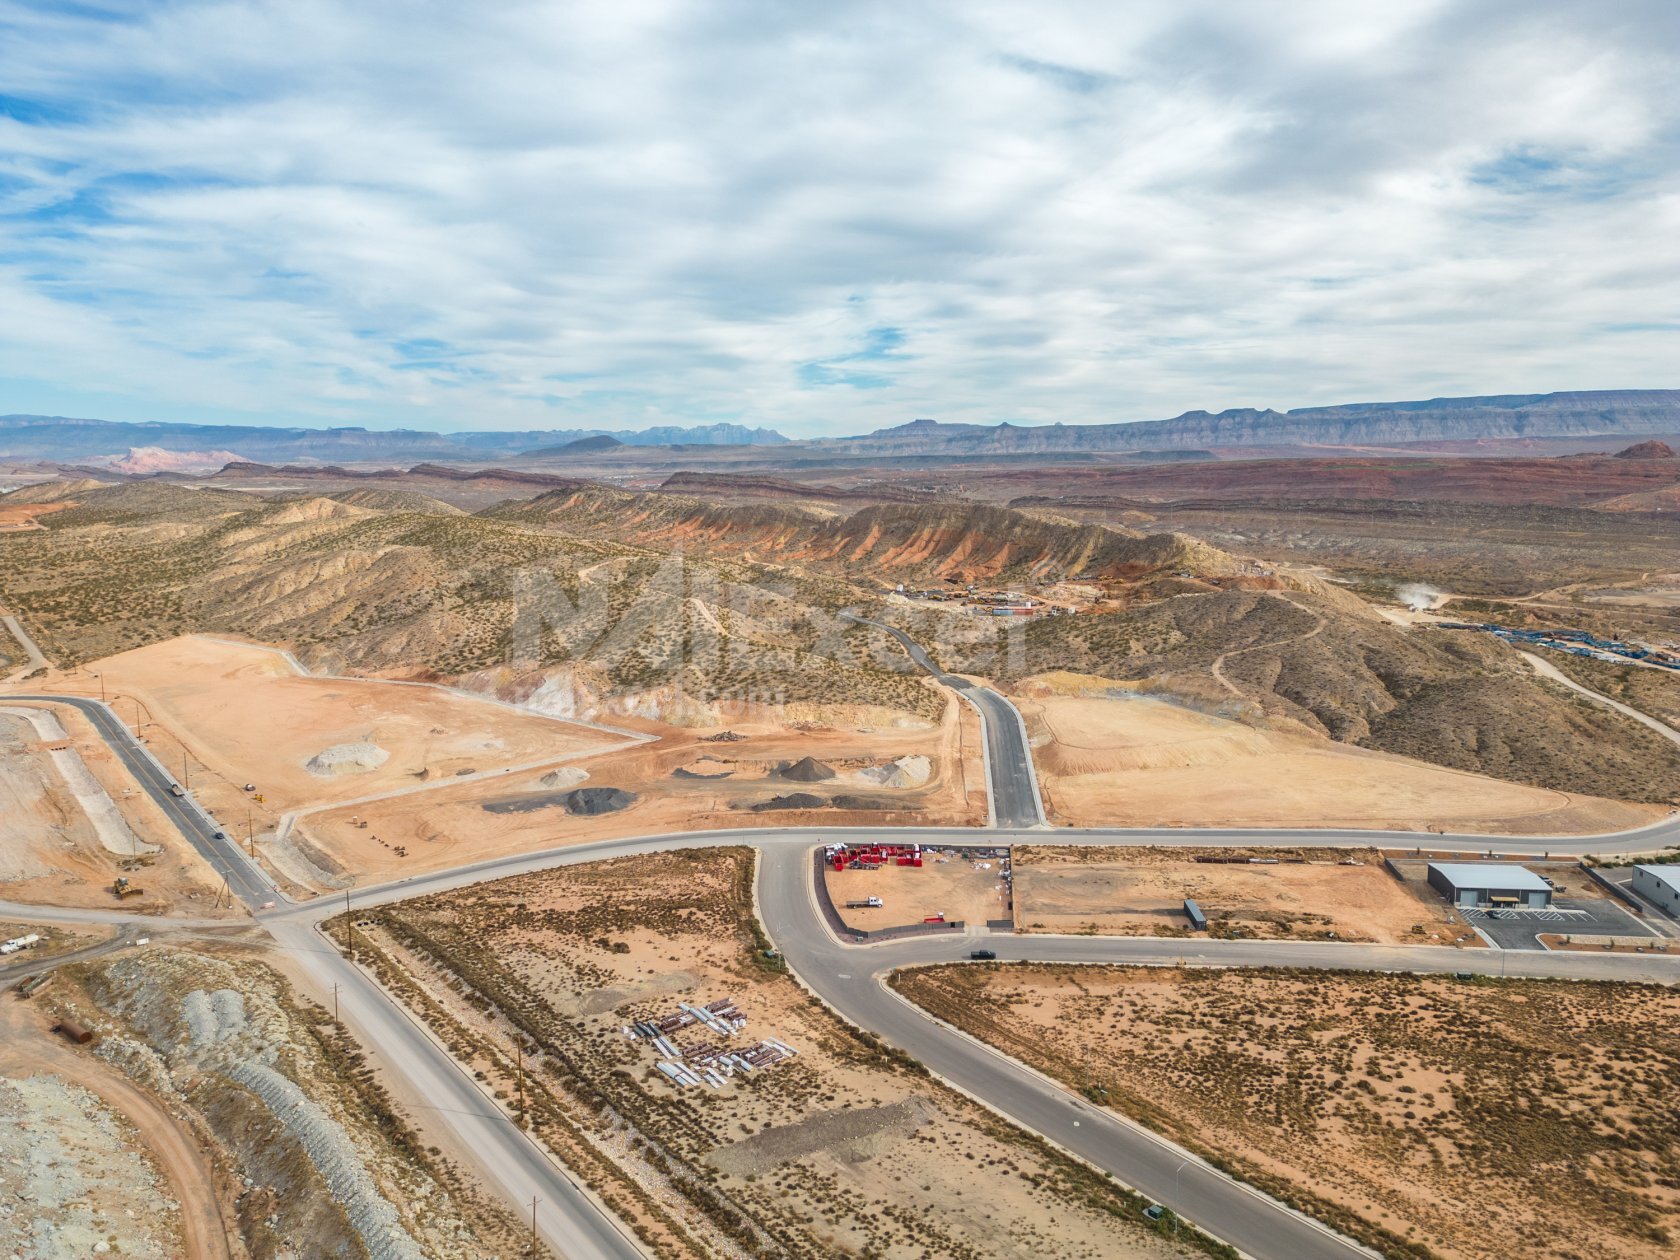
(1425, 1116)
(847, 1149)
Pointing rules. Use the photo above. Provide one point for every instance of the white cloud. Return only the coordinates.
(548, 215)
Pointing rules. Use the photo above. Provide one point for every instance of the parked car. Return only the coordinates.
(983, 955)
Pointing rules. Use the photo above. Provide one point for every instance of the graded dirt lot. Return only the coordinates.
(1301, 894)
(960, 885)
(517, 813)
(844, 1149)
(72, 819)
(247, 713)
(1425, 1116)
(1107, 756)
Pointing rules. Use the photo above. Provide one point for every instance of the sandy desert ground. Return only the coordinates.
(72, 819)
(249, 715)
(517, 813)
(1309, 894)
(844, 1149)
(1426, 1116)
(1110, 757)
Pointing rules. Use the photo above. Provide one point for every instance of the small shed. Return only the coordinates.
(1474, 884)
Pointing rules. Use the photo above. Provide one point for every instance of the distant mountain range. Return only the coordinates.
(1501, 417)
(1590, 414)
(63, 438)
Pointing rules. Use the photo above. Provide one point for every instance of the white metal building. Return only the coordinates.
(1659, 885)
(1489, 884)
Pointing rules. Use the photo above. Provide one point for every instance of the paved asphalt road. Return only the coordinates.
(568, 1218)
(226, 858)
(1011, 780)
(848, 978)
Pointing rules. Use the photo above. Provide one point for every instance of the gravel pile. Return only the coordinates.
(239, 1034)
(72, 1178)
(347, 759)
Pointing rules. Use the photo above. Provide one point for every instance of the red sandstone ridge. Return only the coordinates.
(1647, 450)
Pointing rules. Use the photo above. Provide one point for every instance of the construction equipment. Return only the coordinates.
(121, 889)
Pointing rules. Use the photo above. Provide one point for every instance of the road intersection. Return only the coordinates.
(850, 979)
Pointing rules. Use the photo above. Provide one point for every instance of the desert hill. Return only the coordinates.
(888, 541)
(395, 589)
(594, 599)
(1460, 700)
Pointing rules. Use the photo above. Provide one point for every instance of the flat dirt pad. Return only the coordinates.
(450, 825)
(1141, 892)
(1141, 761)
(1426, 1116)
(246, 713)
(947, 883)
(842, 1150)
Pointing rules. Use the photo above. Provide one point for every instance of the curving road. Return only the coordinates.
(850, 979)
(1011, 780)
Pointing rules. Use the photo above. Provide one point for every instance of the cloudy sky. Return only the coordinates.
(829, 218)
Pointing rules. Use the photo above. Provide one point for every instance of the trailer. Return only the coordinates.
(867, 903)
(20, 942)
(1193, 912)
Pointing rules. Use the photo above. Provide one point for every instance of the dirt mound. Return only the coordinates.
(599, 800)
(705, 768)
(725, 737)
(906, 772)
(807, 770)
(565, 777)
(1647, 450)
(793, 800)
(864, 803)
(356, 758)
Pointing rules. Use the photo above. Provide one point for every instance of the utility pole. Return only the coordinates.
(349, 927)
(186, 771)
(101, 678)
(250, 835)
(534, 1203)
(335, 1002)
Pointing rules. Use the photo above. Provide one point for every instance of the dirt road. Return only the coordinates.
(27, 1046)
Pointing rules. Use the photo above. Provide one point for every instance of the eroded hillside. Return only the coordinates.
(1318, 658)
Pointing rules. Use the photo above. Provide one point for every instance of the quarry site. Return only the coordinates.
(887, 857)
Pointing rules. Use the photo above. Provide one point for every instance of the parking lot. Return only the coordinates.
(1584, 916)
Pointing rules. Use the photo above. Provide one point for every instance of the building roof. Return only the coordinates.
(1669, 875)
(1502, 875)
